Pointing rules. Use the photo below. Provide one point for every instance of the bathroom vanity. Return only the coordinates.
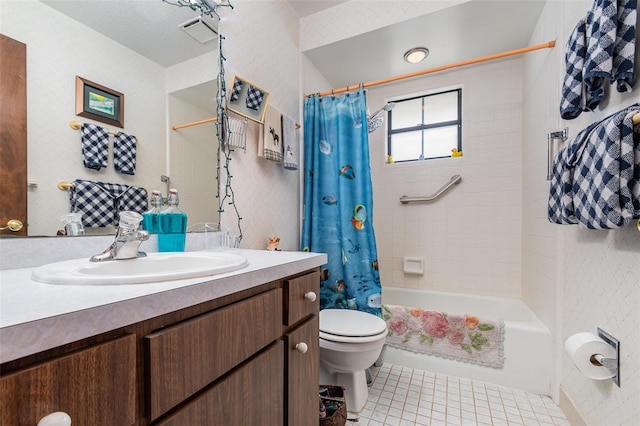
(240, 348)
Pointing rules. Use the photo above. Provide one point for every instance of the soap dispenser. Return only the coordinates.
(172, 225)
(150, 217)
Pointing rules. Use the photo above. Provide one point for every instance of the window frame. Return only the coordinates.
(422, 127)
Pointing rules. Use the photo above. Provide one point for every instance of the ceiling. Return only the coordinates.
(309, 7)
(465, 31)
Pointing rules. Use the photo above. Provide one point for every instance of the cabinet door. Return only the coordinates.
(187, 357)
(302, 374)
(301, 298)
(95, 386)
(250, 395)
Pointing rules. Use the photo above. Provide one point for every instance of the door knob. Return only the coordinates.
(302, 347)
(310, 296)
(13, 225)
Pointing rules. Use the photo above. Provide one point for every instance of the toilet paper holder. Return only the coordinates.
(611, 364)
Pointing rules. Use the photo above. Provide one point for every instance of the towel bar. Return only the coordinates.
(562, 135)
(76, 125)
(455, 179)
(63, 185)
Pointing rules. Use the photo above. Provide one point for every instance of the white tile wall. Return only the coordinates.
(470, 238)
(576, 279)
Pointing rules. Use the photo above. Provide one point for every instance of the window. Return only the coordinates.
(425, 127)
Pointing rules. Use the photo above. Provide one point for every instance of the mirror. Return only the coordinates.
(159, 93)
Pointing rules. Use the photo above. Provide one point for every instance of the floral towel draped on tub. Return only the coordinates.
(463, 338)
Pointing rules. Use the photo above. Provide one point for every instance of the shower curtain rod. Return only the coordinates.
(549, 44)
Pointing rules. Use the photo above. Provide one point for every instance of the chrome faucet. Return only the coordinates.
(128, 239)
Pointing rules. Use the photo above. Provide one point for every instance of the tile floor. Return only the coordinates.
(402, 396)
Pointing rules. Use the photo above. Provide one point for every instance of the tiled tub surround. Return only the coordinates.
(35, 316)
(407, 397)
(527, 341)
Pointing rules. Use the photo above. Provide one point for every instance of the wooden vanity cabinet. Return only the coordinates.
(95, 386)
(250, 358)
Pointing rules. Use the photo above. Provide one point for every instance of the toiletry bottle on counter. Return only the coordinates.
(173, 225)
(150, 218)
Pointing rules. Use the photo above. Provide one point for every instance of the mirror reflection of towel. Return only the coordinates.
(95, 146)
(124, 153)
(100, 201)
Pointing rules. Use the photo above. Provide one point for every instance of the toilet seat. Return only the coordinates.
(346, 325)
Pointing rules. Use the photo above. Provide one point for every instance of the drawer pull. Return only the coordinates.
(302, 347)
(310, 296)
(59, 418)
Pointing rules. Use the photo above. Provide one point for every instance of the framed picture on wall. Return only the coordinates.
(99, 103)
(247, 99)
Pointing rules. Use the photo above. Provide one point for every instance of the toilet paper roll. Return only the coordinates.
(582, 346)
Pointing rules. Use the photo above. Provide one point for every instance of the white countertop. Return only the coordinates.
(36, 316)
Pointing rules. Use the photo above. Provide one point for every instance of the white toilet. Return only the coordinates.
(350, 342)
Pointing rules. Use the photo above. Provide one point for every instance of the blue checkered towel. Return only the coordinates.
(572, 102)
(560, 206)
(236, 89)
(596, 180)
(625, 48)
(254, 98)
(95, 146)
(100, 201)
(602, 23)
(124, 153)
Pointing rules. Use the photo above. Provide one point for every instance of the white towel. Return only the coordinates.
(289, 143)
(269, 136)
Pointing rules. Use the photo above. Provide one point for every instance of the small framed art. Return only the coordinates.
(247, 99)
(99, 103)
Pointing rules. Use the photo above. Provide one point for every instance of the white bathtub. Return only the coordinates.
(527, 342)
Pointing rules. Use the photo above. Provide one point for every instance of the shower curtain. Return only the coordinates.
(338, 201)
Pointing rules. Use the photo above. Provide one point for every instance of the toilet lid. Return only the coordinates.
(350, 323)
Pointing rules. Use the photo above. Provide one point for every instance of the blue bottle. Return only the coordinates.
(173, 225)
(150, 218)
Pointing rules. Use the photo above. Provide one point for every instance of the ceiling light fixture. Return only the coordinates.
(415, 55)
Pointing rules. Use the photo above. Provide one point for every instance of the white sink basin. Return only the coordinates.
(153, 268)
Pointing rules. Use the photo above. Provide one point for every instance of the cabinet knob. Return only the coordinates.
(302, 347)
(59, 418)
(310, 296)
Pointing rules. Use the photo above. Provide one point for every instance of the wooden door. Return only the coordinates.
(13, 133)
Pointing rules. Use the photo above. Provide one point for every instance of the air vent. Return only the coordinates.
(202, 28)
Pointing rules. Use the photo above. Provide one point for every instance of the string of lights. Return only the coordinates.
(227, 196)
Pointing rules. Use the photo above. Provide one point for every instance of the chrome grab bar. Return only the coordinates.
(455, 179)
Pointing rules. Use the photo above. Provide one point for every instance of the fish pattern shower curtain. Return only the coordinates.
(338, 201)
